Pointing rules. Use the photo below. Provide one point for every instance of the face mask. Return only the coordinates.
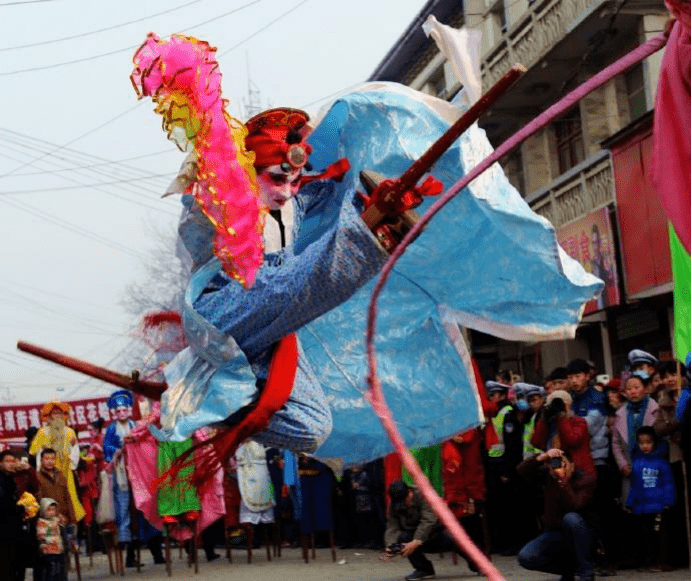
(522, 405)
(641, 374)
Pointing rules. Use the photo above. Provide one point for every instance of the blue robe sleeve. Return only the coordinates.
(111, 443)
(295, 289)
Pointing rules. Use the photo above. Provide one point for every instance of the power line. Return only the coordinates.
(109, 121)
(92, 32)
(81, 186)
(219, 16)
(25, 2)
(264, 28)
(48, 148)
(36, 213)
(130, 200)
(334, 94)
(65, 63)
(112, 52)
(73, 316)
(82, 136)
(71, 298)
(602, 37)
(93, 165)
(69, 154)
(126, 187)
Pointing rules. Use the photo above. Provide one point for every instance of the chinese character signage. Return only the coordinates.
(16, 419)
(589, 240)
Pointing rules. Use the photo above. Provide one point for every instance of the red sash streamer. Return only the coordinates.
(206, 456)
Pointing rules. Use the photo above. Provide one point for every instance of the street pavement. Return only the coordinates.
(351, 565)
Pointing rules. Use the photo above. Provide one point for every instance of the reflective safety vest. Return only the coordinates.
(529, 449)
(497, 450)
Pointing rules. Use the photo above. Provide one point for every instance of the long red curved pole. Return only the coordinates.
(375, 393)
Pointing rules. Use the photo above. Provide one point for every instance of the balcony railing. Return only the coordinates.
(543, 25)
(576, 193)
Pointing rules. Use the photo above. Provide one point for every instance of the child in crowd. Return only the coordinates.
(652, 493)
(50, 540)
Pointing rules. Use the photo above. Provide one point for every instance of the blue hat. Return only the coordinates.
(495, 386)
(528, 390)
(519, 390)
(637, 357)
(120, 398)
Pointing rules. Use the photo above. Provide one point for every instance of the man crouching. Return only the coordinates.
(413, 530)
(565, 547)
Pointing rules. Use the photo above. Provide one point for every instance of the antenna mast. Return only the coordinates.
(252, 104)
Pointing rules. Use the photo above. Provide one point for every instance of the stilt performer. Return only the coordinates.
(281, 262)
(281, 258)
(276, 250)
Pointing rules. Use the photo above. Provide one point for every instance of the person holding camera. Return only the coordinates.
(558, 427)
(566, 546)
(413, 530)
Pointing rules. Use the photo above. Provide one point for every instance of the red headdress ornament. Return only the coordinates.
(277, 137)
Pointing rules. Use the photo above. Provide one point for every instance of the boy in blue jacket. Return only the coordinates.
(651, 494)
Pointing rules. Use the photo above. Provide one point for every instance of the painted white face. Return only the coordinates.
(122, 413)
(276, 187)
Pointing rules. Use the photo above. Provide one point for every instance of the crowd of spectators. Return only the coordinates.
(580, 476)
(584, 475)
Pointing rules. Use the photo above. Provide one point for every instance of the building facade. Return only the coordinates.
(583, 170)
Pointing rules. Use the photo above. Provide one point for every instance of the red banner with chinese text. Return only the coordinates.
(16, 419)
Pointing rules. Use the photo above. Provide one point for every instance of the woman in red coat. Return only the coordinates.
(559, 428)
(464, 484)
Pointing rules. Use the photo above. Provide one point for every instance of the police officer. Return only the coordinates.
(503, 458)
(641, 360)
(529, 400)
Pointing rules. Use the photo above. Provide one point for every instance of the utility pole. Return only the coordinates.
(252, 104)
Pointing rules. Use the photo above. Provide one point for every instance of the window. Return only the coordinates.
(636, 96)
(570, 144)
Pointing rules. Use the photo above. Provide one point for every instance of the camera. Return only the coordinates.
(555, 462)
(394, 549)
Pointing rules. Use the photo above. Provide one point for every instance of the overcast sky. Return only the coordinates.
(83, 162)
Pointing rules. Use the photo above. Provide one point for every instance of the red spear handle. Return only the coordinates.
(150, 389)
(411, 176)
(374, 214)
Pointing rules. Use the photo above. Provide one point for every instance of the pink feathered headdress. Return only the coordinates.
(182, 77)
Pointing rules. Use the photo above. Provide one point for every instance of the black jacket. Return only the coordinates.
(10, 514)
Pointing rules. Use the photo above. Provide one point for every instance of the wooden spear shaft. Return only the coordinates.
(150, 389)
(416, 170)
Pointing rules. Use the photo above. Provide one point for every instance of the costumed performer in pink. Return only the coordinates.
(177, 505)
(131, 526)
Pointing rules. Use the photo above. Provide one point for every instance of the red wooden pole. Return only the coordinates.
(150, 389)
(407, 180)
(411, 176)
